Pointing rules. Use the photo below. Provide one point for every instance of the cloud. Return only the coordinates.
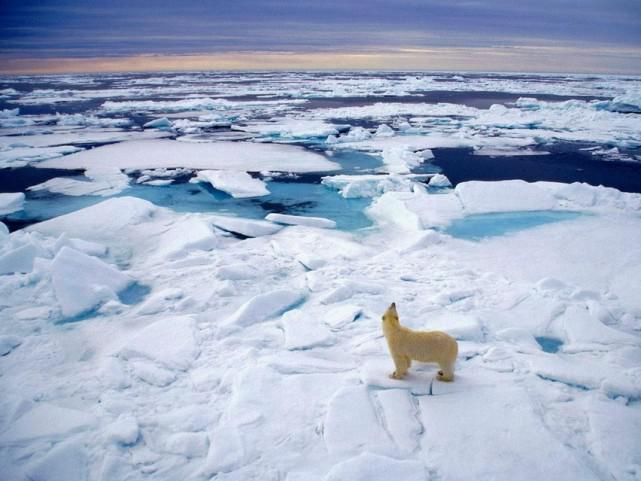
(118, 28)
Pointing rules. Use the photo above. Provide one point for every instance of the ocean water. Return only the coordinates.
(481, 226)
(527, 113)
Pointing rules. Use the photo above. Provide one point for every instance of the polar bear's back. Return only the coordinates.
(426, 346)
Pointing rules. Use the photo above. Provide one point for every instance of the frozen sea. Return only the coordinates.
(193, 267)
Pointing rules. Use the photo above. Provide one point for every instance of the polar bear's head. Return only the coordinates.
(390, 318)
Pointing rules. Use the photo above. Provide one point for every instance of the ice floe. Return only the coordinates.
(369, 185)
(102, 181)
(301, 220)
(237, 184)
(293, 128)
(11, 202)
(81, 282)
(152, 154)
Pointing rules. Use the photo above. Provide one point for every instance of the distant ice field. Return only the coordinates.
(466, 126)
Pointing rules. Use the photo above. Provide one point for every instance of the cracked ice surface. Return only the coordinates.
(243, 361)
(138, 342)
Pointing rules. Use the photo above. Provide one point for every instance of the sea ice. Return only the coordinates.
(303, 331)
(239, 185)
(451, 424)
(292, 128)
(170, 342)
(102, 181)
(124, 431)
(264, 306)
(21, 156)
(152, 154)
(401, 160)
(190, 445)
(90, 121)
(9, 203)
(100, 222)
(185, 236)
(319, 222)
(264, 358)
(504, 196)
(82, 282)
(351, 425)
(372, 467)
(162, 123)
(19, 259)
(439, 180)
(356, 186)
(47, 421)
(8, 343)
(65, 461)
(245, 227)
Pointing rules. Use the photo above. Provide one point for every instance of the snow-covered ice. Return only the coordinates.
(149, 154)
(81, 282)
(237, 184)
(102, 181)
(244, 342)
(11, 202)
(301, 220)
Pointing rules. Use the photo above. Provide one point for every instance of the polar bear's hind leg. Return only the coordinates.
(446, 373)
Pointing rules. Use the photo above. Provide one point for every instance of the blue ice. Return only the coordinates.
(549, 344)
(480, 226)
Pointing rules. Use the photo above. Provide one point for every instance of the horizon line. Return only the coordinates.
(514, 59)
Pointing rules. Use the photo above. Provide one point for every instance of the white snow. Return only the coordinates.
(47, 421)
(82, 282)
(184, 237)
(9, 203)
(245, 227)
(149, 154)
(401, 160)
(260, 355)
(65, 461)
(351, 425)
(102, 181)
(303, 331)
(239, 185)
(190, 445)
(505, 196)
(439, 180)
(369, 185)
(20, 156)
(18, 259)
(124, 431)
(169, 342)
(319, 222)
(291, 128)
(8, 344)
(372, 467)
(264, 306)
(100, 221)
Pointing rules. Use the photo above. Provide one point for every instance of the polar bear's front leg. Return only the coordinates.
(402, 364)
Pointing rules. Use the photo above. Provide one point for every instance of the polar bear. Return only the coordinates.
(425, 346)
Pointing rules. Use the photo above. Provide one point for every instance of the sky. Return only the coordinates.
(583, 36)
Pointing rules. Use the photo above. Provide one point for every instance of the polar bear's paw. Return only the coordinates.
(446, 377)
